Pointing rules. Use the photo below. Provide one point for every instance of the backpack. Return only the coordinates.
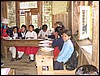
(72, 63)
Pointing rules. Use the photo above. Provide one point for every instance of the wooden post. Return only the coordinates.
(95, 51)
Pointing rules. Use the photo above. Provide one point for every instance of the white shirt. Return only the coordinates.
(31, 34)
(15, 35)
(23, 34)
(44, 34)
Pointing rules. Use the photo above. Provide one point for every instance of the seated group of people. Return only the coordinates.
(63, 47)
(25, 34)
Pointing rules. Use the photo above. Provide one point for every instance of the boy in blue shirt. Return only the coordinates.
(66, 51)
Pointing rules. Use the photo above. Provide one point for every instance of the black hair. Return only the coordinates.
(15, 27)
(44, 26)
(31, 26)
(68, 32)
(24, 26)
(58, 30)
(60, 24)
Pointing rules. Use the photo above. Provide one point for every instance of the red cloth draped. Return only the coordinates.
(56, 52)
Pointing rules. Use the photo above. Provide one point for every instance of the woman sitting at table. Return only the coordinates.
(31, 51)
(43, 34)
(21, 49)
(57, 42)
(15, 35)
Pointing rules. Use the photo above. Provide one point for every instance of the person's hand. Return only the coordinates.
(31, 37)
(26, 37)
(16, 37)
(55, 58)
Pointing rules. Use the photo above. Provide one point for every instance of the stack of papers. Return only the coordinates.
(45, 43)
(47, 49)
(5, 71)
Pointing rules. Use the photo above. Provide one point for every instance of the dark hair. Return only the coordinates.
(15, 27)
(44, 26)
(58, 30)
(24, 26)
(31, 26)
(87, 69)
(60, 23)
(68, 32)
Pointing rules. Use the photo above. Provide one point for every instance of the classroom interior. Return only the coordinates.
(81, 17)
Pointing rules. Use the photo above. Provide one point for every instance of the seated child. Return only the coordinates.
(65, 52)
(57, 42)
(21, 49)
(43, 34)
(15, 35)
(31, 51)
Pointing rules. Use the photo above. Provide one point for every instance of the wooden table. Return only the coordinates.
(44, 59)
(8, 43)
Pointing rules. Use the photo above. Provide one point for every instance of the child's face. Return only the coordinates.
(31, 28)
(65, 37)
(44, 29)
(15, 30)
(55, 34)
(23, 29)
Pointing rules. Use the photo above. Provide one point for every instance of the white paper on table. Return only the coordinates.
(87, 48)
(45, 41)
(5, 71)
(44, 45)
(47, 49)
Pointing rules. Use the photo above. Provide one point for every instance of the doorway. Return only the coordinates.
(30, 13)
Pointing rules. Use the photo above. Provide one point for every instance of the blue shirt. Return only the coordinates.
(58, 42)
(66, 51)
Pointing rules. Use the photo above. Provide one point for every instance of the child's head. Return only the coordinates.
(57, 31)
(31, 28)
(23, 28)
(44, 27)
(59, 24)
(66, 35)
(15, 29)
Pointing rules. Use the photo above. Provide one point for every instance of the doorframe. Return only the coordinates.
(35, 11)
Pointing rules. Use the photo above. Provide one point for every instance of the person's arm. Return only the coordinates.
(39, 34)
(20, 35)
(65, 53)
(60, 43)
(55, 43)
(35, 35)
(26, 36)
